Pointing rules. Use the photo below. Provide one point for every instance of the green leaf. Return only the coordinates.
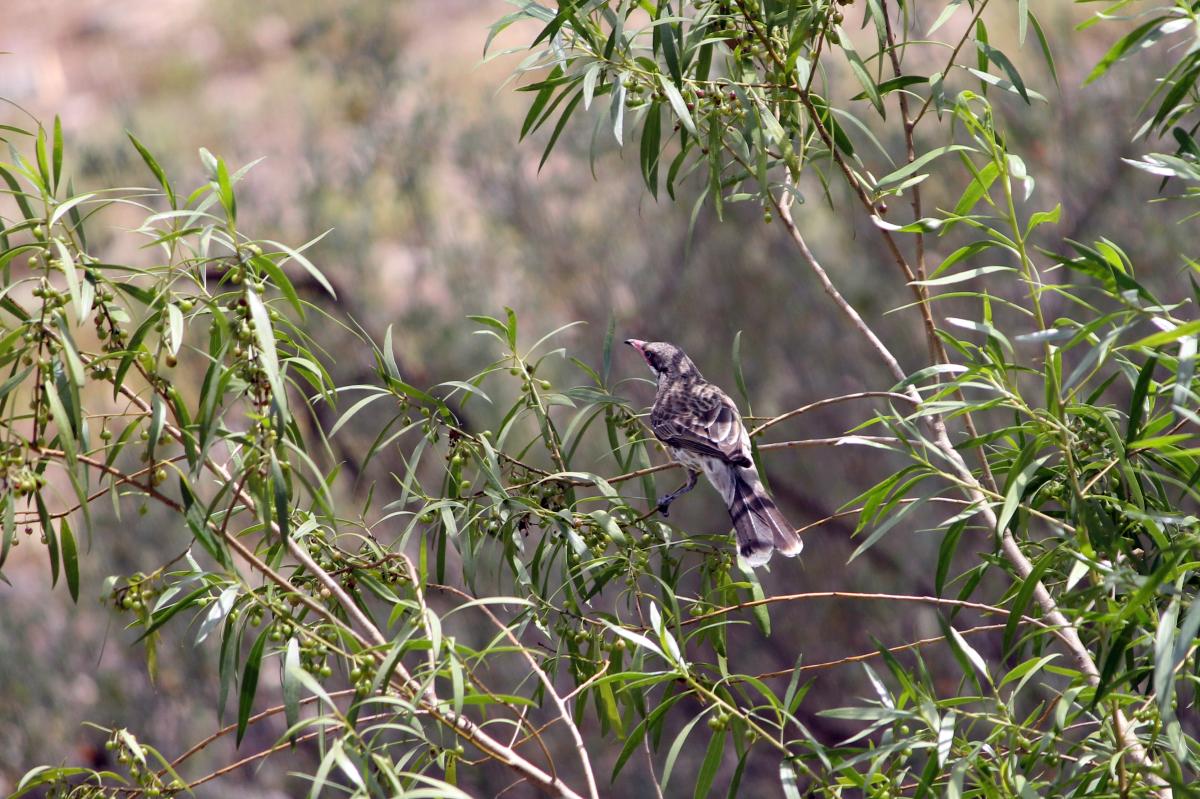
(70, 558)
(977, 189)
(738, 376)
(43, 164)
(1122, 47)
(72, 276)
(1164, 660)
(678, 104)
(860, 72)
(664, 36)
(1017, 482)
(1006, 85)
(355, 408)
(1168, 336)
(291, 686)
(1187, 634)
(154, 168)
(962, 277)
(225, 190)
(616, 111)
(280, 280)
(639, 732)
(677, 746)
(770, 124)
(946, 552)
(558, 127)
(511, 327)
(944, 16)
(1044, 43)
(589, 83)
(164, 614)
(972, 655)
(249, 686)
(65, 423)
(56, 154)
(231, 643)
(63, 208)
(297, 255)
(897, 177)
(894, 84)
(264, 336)
(881, 530)
(710, 764)
(1017, 609)
(787, 780)
(650, 150)
(1001, 60)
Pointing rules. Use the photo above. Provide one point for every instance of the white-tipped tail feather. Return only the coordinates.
(759, 526)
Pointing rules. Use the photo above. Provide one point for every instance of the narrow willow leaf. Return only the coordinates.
(589, 83)
(972, 654)
(946, 552)
(70, 558)
(908, 170)
(154, 168)
(1021, 601)
(708, 767)
(56, 156)
(249, 686)
(860, 72)
(677, 747)
(650, 148)
(72, 276)
(944, 16)
(225, 190)
(1174, 333)
(1122, 47)
(677, 104)
(617, 111)
(962, 277)
(1015, 490)
(297, 254)
(291, 684)
(1164, 661)
(264, 335)
(787, 780)
(945, 737)
(558, 127)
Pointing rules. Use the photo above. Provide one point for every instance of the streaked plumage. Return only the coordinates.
(702, 430)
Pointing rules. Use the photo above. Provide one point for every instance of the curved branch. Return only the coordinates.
(812, 406)
(875, 653)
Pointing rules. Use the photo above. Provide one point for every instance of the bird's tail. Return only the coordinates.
(757, 522)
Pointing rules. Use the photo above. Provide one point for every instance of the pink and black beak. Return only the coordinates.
(638, 345)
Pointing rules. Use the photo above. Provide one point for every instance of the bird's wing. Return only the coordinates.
(702, 418)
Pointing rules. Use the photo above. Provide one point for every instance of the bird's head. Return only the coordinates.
(664, 358)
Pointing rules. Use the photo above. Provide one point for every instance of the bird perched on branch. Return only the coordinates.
(702, 431)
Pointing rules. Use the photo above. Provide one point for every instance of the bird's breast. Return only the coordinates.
(686, 457)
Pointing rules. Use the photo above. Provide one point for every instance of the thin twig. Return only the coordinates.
(563, 711)
(771, 422)
(917, 598)
(460, 724)
(271, 711)
(874, 653)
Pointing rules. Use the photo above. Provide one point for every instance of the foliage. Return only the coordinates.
(1054, 419)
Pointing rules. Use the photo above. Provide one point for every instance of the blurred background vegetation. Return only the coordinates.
(380, 120)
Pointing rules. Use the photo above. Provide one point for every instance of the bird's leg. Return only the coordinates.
(664, 503)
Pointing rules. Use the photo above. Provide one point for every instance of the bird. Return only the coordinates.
(701, 429)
